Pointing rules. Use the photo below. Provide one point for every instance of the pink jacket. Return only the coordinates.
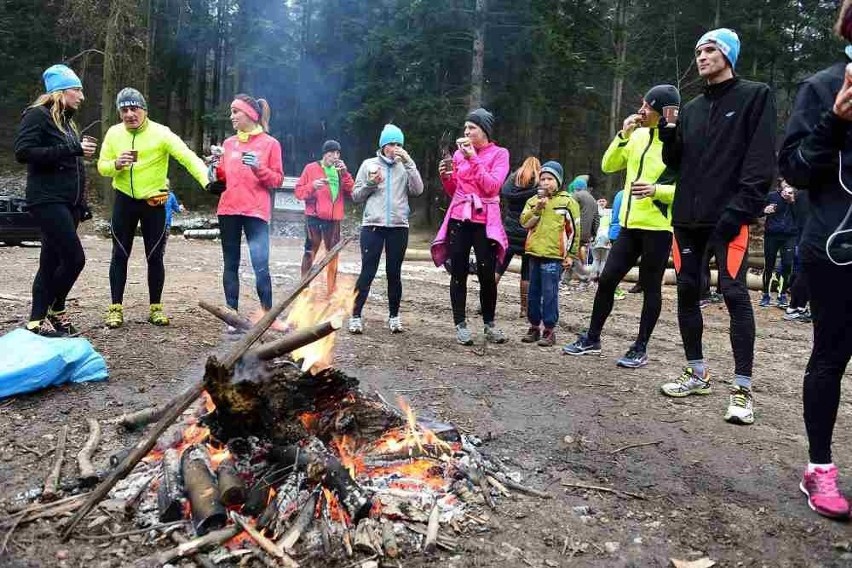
(475, 190)
(248, 191)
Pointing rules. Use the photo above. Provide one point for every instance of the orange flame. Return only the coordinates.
(335, 511)
(313, 307)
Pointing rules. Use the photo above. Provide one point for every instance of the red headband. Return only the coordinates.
(240, 104)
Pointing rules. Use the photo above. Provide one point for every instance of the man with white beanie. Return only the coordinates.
(723, 148)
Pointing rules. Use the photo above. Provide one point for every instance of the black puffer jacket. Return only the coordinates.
(515, 198)
(55, 171)
(817, 156)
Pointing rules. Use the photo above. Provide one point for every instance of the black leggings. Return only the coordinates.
(772, 245)
(461, 237)
(831, 304)
(62, 258)
(732, 260)
(256, 229)
(394, 241)
(127, 214)
(653, 247)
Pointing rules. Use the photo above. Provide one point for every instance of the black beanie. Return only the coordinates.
(330, 146)
(130, 97)
(662, 96)
(483, 119)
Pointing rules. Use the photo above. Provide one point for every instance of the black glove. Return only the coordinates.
(727, 228)
(215, 187)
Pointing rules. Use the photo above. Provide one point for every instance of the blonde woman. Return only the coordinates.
(47, 141)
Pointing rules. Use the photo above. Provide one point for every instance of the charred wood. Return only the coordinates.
(232, 488)
(208, 513)
(300, 525)
(141, 418)
(227, 315)
(170, 491)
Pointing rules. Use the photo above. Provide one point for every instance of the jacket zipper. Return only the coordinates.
(706, 141)
(638, 175)
(77, 165)
(388, 197)
(132, 147)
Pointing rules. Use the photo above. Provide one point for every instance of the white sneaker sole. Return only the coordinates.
(740, 420)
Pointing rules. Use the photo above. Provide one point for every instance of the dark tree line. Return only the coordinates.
(559, 75)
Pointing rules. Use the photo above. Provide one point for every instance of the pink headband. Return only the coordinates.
(240, 104)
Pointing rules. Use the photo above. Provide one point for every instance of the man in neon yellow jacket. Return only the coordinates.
(645, 219)
(135, 154)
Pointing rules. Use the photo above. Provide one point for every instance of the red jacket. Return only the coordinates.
(318, 201)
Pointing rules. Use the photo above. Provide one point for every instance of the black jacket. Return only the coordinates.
(783, 220)
(815, 143)
(723, 150)
(514, 198)
(55, 171)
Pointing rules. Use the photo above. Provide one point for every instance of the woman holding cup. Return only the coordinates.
(473, 181)
(48, 142)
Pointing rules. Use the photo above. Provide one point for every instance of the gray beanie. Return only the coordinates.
(130, 97)
(483, 119)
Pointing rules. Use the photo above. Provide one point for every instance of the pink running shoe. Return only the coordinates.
(823, 495)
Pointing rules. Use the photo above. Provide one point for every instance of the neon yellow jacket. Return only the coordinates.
(155, 143)
(642, 156)
(555, 231)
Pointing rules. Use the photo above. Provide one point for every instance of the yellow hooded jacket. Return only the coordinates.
(555, 231)
(148, 176)
(641, 154)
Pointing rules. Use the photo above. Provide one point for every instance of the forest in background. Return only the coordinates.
(559, 75)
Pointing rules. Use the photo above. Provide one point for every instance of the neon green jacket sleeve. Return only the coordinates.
(178, 150)
(615, 157)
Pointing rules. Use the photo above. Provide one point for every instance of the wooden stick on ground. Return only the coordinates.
(432, 530)
(267, 545)
(604, 490)
(518, 487)
(201, 559)
(140, 418)
(190, 548)
(51, 482)
(88, 475)
(639, 445)
(177, 405)
(228, 316)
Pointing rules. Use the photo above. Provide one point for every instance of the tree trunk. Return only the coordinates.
(200, 92)
(109, 88)
(477, 69)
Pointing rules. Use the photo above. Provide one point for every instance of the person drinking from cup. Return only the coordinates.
(47, 141)
(473, 181)
(722, 148)
(779, 236)
(135, 154)
(645, 221)
(247, 167)
(323, 186)
(384, 184)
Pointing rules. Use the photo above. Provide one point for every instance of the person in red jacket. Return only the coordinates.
(322, 186)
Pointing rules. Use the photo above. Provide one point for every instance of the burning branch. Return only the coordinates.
(296, 339)
(267, 545)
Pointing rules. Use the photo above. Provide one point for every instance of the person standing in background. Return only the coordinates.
(779, 236)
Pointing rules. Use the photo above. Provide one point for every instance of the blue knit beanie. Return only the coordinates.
(390, 134)
(59, 78)
(554, 168)
(578, 184)
(726, 40)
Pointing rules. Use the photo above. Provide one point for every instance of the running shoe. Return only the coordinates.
(582, 346)
(395, 324)
(686, 384)
(782, 301)
(741, 407)
(157, 316)
(494, 334)
(463, 335)
(45, 329)
(62, 322)
(765, 301)
(115, 316)
(795, 314)
(634, 358)
(620, 294)
(356, 326)
(824, 496)
(533, 334)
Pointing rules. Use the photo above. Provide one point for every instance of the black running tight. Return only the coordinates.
(461, 237)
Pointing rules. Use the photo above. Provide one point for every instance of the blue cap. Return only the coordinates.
(726, 40)
(59, 78)
(554, 168)
(390, 134)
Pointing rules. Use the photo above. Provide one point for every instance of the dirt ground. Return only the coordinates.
(710, 489)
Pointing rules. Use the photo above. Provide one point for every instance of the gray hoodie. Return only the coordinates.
(387, 203)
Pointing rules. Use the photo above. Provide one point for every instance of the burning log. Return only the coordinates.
(394, 507)
(88, 475)
(207, 510)
(227, 315)
(51, 482)
(183, 400)
(267, 545)
(285, 504)
(257, 497)
(141, 418)
(301, 524)
(170, 491)
(321, 466)
(432, 530)
(365, 540)
(232, 488)
(296, 339)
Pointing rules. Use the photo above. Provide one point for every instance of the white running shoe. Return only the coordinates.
(740, 407)
(395, 324)
(356, 325)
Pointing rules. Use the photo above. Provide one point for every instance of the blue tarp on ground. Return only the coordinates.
(29, 362)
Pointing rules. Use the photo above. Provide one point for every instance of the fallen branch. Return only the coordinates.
(639, 445)
(604, 490)
(189, 548)
(227, 315)
(114, 535)
(267, 545)
(177, 405)
(140, 418)
(507, 481)
(201, 559)
(8, 536)
(51, 483)
(88, 475)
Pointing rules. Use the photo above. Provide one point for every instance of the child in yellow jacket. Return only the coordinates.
(552, 219)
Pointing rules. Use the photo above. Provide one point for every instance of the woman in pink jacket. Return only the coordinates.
(250, 166)
(473, 179)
